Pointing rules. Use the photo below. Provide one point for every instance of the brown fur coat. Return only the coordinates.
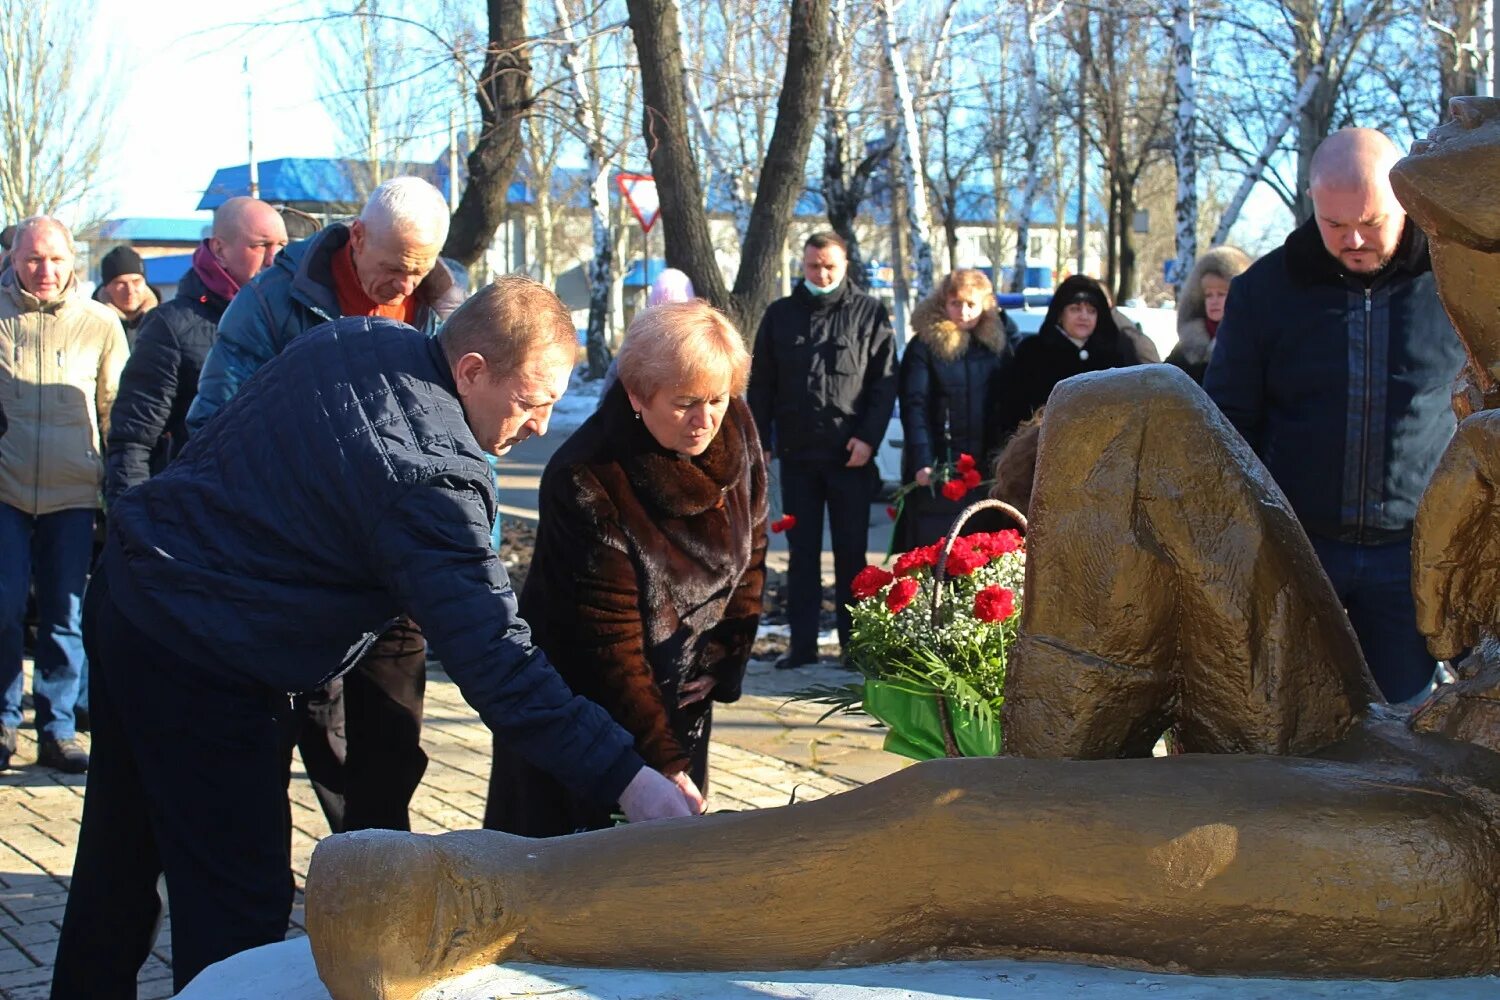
(648, 571)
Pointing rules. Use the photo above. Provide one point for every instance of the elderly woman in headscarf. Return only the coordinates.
(1201, 307)
(1078, 335)
(645, 586)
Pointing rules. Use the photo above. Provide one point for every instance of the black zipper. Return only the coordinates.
(1364, 440)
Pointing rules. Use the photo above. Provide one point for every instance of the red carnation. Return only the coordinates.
(901, 594)
(971, 478)
(781, 524)
(908, 563)
(965, 559)
(997, 543)
(868, 581)
(994, 604)
(954, 489)
(965, 463)
(892, 512)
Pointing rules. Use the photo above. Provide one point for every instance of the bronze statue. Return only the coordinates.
(1315, 832)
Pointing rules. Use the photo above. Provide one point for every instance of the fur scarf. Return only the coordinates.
(930, 322)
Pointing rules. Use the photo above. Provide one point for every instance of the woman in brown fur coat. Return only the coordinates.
(1201, 306)
(645, 586)
(949, 374)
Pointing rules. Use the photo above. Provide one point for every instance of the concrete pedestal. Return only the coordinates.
(286, 971)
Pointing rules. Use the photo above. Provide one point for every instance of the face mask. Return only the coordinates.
(813, 289)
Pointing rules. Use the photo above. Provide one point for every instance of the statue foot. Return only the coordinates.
(390, 914)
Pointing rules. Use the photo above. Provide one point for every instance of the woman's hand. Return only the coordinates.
(696, 690)
(924, 476)
(690, 792)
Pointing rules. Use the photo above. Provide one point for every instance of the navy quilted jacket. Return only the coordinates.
(339, 488)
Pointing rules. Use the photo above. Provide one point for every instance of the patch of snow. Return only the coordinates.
(577, 404)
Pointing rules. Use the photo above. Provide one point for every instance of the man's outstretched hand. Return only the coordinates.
(1456, 540)
(651, 795)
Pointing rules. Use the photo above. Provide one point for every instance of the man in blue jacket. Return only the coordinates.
(345, 485)
(1335, 360)
(361, 736)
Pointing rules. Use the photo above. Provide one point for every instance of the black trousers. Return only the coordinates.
(186, 778)
(360, 736)
(807, 488)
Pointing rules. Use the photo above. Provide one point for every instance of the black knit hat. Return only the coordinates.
(120, 260)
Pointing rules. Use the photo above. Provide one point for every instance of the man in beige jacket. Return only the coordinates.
(60, 360)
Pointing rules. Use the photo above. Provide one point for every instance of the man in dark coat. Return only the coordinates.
(123, 287)
(822, 388)
(344, 486)
(148, 424)
(361, 737)
(1334, 361)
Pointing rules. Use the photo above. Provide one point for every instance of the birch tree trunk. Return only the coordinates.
(1031, 135)
(845, 182)
(910, 143)
(601, 267)
(1185, 78)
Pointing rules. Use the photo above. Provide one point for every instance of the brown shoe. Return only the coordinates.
(68, 755)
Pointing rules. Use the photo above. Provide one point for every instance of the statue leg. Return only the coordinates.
(1169, 582)
(1238, 864)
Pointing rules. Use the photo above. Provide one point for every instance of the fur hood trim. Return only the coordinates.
(1226, 260)
(930, 322)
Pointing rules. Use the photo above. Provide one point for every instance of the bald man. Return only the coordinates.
(1335, 360)
(148, 425)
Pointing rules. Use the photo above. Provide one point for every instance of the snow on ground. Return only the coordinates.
(577, 404)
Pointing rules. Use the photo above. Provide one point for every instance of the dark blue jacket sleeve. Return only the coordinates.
(916, 385)
(1236, 376)
(881, 383)
(761, 395)
(432, 548)
(148, 387)
(243, 345)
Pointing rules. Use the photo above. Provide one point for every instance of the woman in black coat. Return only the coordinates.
(950, 377)
(645, 585)
(1078, 335)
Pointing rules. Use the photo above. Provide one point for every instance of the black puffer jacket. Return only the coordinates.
(1342, 387)
(341, 488)
(949, 384)
(1047, 358)
(148, 424)
(824, 372)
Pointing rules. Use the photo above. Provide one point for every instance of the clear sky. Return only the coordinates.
(180, 113)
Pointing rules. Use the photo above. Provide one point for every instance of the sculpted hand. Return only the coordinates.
(859, 453)
(924, 476)
(1456, 540)
(696, 690)
(650, 795)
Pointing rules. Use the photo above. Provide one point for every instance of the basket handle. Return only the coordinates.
(939, 573)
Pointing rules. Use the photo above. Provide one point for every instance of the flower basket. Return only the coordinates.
(919, 729)
(930, 637)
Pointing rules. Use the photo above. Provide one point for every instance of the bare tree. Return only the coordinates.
(1037, 14)
(54, 127)
(1465, 46)
(1185, 146)
(689, 246)
(909, 145)
(847, 169)
(503, 91)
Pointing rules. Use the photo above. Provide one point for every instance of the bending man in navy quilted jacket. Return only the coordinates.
(345, 485)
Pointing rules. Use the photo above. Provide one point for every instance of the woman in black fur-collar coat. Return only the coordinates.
(645, 586)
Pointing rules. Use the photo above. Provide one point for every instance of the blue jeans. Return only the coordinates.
(1374, 584)
(54, 550)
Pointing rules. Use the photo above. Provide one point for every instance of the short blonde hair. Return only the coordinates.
(682, 344)
(965, 280)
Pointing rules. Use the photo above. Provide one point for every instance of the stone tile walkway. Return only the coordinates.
(765, 751)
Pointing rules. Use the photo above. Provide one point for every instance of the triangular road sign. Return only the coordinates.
(640, 194)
